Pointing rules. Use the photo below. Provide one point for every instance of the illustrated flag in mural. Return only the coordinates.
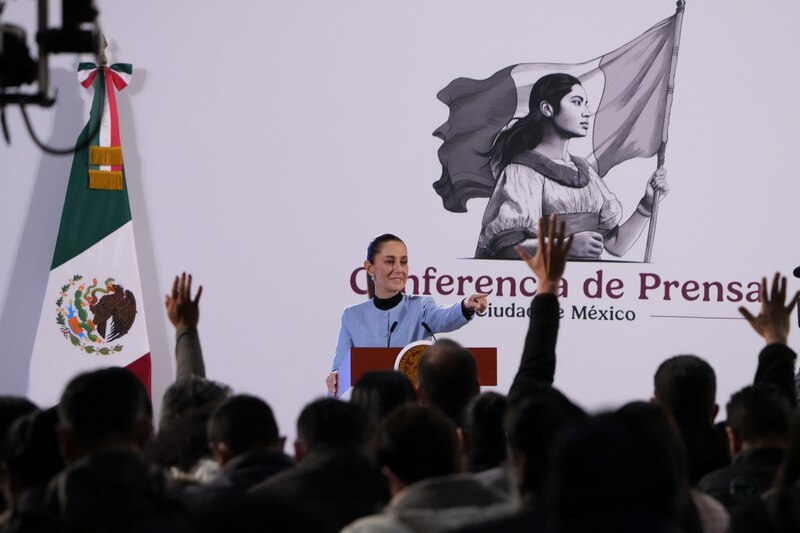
(627, 87)
(92, 316)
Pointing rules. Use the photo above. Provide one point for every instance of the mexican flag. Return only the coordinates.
(629, 90)
(92, 316)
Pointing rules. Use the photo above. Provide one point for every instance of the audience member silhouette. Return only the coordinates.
(607, 475)
(757, 429)
(108, 486)
(182, 443)
(485, 440)
(334, 479)
(695, 511)
(379, 392)
(777, 511)
(31, 458)
(686, 386)
(245, 442)
(418, 450)
(536, 412)
(11, 408)
(448, 379)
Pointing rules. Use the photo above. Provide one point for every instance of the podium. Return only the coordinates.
(362, 360)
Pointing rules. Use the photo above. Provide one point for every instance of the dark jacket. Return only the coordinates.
(336, 486)
(538, 363)
(776, 512)
(707, 446)
(776, 367)
(749, 475)
(115, 492)
(239, 475)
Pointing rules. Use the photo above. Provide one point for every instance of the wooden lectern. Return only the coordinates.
(362, 360)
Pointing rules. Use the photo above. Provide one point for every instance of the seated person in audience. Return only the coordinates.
(31, 458)
(379, 392)
(105, 421)
(485, 440)
(334, 479)
(11, 408)
(778, 510)
(535, 411)
(696, 511)
(448, 379)
(610, 474)
(776, 360)
(181, 444)
(538, 362)
(757, 429)
(532, 424)
(244, 440)
(685, 386)
(418, 450)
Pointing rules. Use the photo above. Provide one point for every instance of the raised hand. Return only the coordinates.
(182, 310)
(551, 255)
(772, 321)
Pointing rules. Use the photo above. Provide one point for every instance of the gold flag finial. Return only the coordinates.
(102, 59)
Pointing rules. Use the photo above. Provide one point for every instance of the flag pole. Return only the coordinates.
(651, 231)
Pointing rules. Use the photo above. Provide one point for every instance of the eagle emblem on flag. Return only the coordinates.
(92, 316)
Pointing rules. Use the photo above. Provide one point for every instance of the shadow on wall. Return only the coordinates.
(28, 282)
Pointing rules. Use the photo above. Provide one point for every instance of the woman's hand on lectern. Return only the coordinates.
(332, 382)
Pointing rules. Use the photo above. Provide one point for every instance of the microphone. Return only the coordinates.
(796, 272)
(429, 330)
(391, 330)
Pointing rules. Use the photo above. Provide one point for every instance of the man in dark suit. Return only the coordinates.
(334, 480)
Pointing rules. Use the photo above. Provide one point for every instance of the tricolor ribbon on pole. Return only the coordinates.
(105, 152)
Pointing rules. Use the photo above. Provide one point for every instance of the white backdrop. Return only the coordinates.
(266, 143)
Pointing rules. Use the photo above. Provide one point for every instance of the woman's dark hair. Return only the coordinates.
(416, 443)
(32, 449)
(532, 425)
(374, 248)
(526, 133)
(486, 437)
(187, 405)
(617, 469)
(380, 392)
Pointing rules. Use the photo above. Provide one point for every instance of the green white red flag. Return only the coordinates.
(92, 316)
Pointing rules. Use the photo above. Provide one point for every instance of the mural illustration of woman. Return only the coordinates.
(538, 176)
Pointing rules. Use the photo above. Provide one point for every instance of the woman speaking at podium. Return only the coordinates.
(390, 318)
